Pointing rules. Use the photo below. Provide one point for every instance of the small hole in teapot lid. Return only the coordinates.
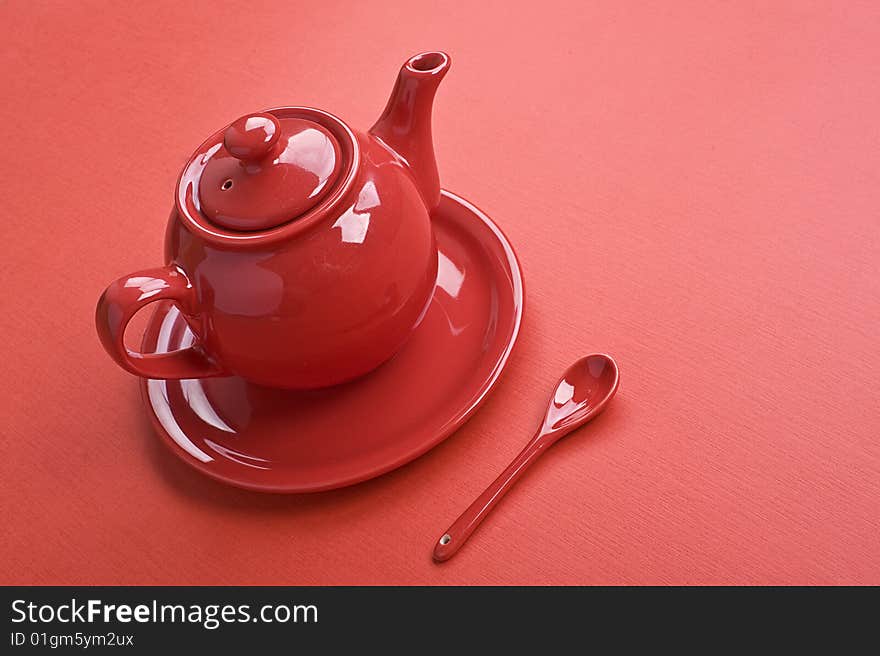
(227, 185)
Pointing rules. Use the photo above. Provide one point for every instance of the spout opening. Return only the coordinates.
(428, 62)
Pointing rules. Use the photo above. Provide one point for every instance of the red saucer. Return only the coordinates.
(285, 441)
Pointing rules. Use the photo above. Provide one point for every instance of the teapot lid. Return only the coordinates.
(269, 168)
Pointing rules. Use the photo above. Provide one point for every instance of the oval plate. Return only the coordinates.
(274, 440)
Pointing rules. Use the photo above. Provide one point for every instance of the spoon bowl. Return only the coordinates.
(581, 394)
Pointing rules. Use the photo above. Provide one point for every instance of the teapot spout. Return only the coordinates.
(405, 125)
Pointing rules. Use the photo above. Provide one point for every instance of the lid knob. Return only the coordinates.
(251, 137)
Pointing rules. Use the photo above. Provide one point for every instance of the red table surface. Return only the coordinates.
(692, 187)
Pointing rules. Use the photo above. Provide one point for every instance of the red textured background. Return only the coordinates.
(693, 187)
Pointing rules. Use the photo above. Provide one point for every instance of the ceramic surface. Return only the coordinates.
(300, 251)
(303, 441)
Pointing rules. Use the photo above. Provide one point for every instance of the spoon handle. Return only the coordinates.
(456, 535)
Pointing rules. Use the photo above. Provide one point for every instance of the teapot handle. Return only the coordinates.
(119, 303)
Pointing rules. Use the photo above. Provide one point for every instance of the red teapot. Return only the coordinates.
(299, 250)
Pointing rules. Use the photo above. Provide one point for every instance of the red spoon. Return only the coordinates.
(582, 393)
